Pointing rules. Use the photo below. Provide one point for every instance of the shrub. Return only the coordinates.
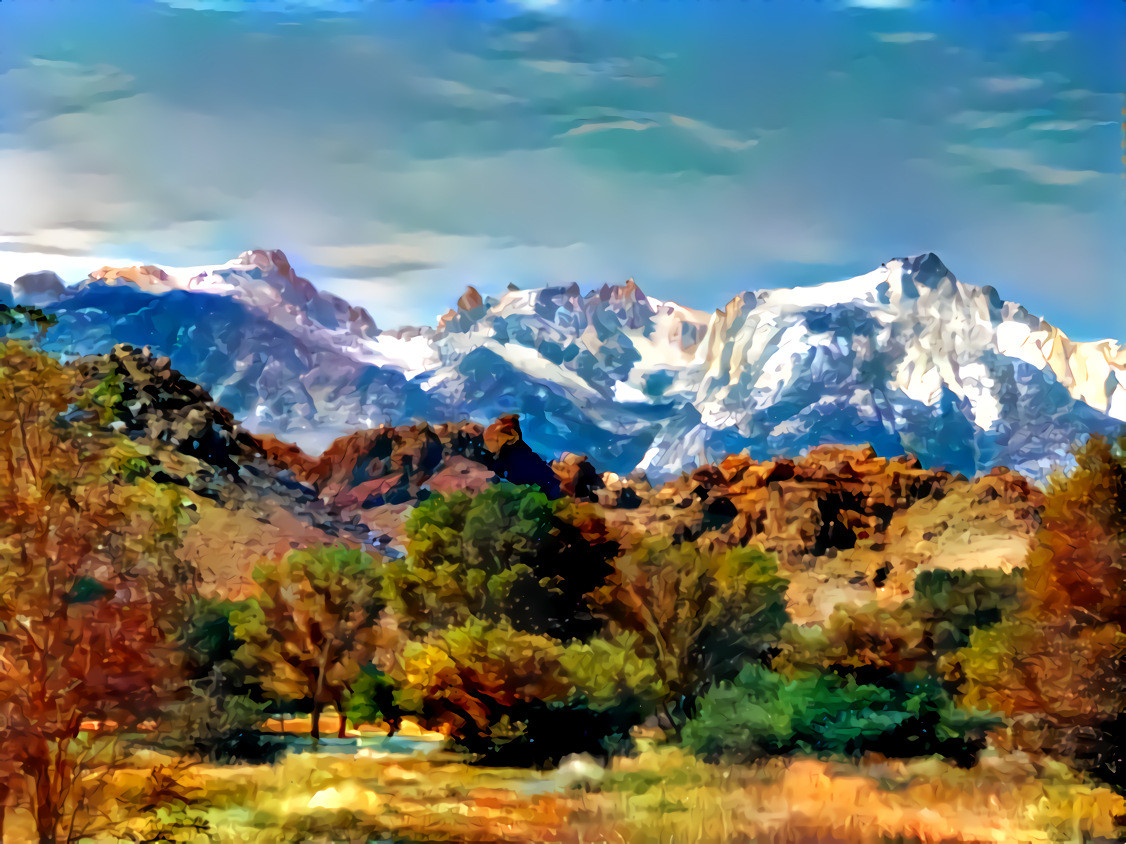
(764, 713)
(867, 641)
(371, 698)
(954, 603)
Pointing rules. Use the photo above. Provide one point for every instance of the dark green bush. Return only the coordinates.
(764, 713)
(955, 603)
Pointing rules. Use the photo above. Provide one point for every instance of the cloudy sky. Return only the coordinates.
(398, 150)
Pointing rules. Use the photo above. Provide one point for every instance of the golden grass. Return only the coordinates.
(660, 796)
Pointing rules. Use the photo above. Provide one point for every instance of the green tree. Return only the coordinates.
(312, 625)
(221, 714)
(372, 698)
(515, 697)
(508, 552)
(471, 680)
(699, 612)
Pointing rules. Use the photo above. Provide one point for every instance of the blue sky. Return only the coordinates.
(399, 150)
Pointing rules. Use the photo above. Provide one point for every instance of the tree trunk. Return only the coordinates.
(317, 707)
(46, 817)
(338, 697)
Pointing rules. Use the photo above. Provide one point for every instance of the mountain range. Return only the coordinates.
(906, 358)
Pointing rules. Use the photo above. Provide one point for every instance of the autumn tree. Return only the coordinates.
(91, 587)
(700, 612)
(520, 698)
(1077, 569)
(312, 625)
(1059, 664)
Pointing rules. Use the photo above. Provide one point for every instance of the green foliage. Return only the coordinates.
(24, 316)
(511, 696)
(609, 672)
(700, 613)
(867, 637)
(312, 625)
(763, 713)
(209, 635)
(466, 553)
(87, 589)
(220, 716)
(104, 398)
(371, 697)
(506, 553)
(955, 603)
(745, 615)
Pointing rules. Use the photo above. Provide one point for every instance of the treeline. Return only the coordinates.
(521, 625)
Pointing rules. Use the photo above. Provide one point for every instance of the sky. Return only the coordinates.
(400, 150)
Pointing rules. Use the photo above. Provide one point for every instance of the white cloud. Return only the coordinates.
(1011, 84)
(588, 126)
(983, 120)
(70, 268)
(1022, 161)
(1068, 125)
(904, 37)
(712, 134)
(879, 4)
(1042, 37)
(460, 95)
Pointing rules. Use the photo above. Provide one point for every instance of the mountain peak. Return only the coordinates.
(624, 292)
(925, 270)
(39, 288)
(143, 276)
(925, 266)
(470, 299)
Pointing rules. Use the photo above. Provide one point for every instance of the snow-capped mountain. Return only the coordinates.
(905, 357)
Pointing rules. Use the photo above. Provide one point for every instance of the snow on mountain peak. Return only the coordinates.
(906, 357)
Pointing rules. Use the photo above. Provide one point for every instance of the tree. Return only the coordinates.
(699, 612)
(472, 679)
(866, 641)
(91, 587)
(1059, 664)
(951, 604)
(518, 698)
(221, 714)
(508, 552)
(1077, 569)
(372, 698)
(312, 625)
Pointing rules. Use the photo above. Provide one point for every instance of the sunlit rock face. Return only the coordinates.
(906, 358)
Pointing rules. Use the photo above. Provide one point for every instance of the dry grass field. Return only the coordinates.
(659, 796)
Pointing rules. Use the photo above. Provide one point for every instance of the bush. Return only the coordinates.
(866, 641)
(955, 603)
(372, 699)
(764, 713)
